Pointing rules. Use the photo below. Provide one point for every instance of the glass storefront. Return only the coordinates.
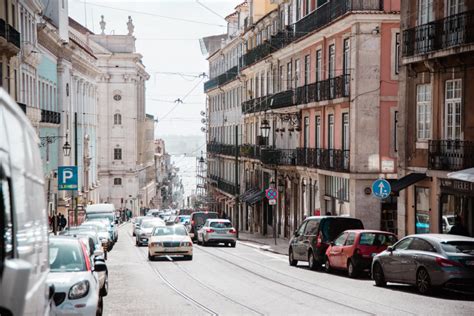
(457, 207)
(422, 210)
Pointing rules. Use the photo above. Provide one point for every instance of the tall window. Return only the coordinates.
(117, 153)
(332, 61)
(346, 65)
(425, 11)
(298, 9)
(452, 118)
(455, 7)
(297, 72)
(306, 132)
(317, 132)
(289, 76)
(307, 65)
(117, 181)
(307, 5)
(281, 83)
(117, 119)
(318, 65)
(423, 111)
(397, 54)
(331, 131)
(345, 131)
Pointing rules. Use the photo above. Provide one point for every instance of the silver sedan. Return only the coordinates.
(217, 231)
(428, 261)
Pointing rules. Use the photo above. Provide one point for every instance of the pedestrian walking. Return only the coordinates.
(62, 222)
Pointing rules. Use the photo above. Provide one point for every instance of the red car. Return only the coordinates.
(353, 250)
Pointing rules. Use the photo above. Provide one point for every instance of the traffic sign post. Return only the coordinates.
(67, 178)
(271, 194)
(272, 202)
(381, 189)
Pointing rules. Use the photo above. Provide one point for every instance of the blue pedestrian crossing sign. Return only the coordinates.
(67, 178)
(381, 188)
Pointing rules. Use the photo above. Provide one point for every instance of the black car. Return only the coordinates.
(197, 220)
(313, 236)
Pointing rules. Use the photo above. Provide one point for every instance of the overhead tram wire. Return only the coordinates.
(155, 15)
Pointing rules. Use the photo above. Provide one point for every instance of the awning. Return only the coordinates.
(463, 175)
(407, 180)
(252, 196)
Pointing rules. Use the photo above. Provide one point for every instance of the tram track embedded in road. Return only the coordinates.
(174, 288)
(313, 284)
(286, 285)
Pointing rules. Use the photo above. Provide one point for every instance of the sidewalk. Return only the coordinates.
(266, 243)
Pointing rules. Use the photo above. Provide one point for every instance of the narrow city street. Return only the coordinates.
(248, 281)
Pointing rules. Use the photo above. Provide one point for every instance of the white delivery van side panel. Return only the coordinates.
(28, 214)
(100, 208)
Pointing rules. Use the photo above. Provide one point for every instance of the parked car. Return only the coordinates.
(353, 250)
(102, 231)
(311, 240)
(145, 229)
(136, 223)
(153, 212)
(182, 219)
(104, 210)
(197, 220)
(23, 216)
(107, 223)
(75, 277)
(216, 231)
(427, 261)
(170, 240)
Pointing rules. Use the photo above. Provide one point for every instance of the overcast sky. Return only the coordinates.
(168, 45)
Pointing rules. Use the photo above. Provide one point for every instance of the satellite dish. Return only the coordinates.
(203, 129)
(203, 113)
(203, 120)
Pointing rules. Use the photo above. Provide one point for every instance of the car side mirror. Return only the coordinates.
(99, 266)
(390, 249)
(296, 233)
(52, 290)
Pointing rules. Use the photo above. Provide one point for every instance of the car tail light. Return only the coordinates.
(445, 263)
(232, 231)
(209, 230)
(86, 258)
(192, 223)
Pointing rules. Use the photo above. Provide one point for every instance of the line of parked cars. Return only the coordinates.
(427, 261)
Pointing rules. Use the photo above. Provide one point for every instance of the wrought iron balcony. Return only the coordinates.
(250, 151)
(3, 28)
(13, 36)
(320, 158)
(50, 117)
(225, 185)
(222, 79)
(258, 53)
(450, 155)
(330, 11)
(221, 149)
(328, 89)
(256, 104)
(452, 31)
(281, 100)
(282, 157)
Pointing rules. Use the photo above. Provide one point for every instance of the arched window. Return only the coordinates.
(117, 181)
(117, 119)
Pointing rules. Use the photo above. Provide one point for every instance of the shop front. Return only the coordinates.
(456, 207)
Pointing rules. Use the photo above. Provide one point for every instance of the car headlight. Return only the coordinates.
(157, 244)
(185, 244)
(79, 290)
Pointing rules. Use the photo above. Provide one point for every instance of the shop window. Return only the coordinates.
(422, 210)
(456, 210)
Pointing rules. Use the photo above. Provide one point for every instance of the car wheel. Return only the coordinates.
(327, 265)
(204, 243)
(100, 306)
(150, 257)
(232, 244)
(352, 271)
(188, 257)
(105, 289)
(133, 234)
(423, 281)
(378, 275)
(313, 264)
(291, 259)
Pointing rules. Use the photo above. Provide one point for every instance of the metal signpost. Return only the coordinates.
(381, 189)
(68, 181)
(272, 195)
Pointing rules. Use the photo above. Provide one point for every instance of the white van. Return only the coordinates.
(24, 263)
(104, 210)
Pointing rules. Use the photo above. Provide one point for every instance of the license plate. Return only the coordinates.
(221, 232)
(470, 263)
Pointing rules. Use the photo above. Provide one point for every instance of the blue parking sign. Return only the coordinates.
(67, 178)
(381, 188)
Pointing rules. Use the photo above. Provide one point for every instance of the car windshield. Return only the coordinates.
(66, 256)
(332, 227)
(377, 239)
(220, 225)
(100, 227)
(170, 231)
(150, 224)
(99, 216)
(458, 246)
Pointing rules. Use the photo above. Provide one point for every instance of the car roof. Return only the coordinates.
(442, 237)
(218, 220)
(369, 231)
(330, 216)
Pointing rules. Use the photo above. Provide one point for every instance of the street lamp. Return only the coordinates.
(67, 149)
(265, 128)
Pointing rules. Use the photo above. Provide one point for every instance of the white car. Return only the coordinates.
(216, 231)
(75, 278)
(170, 240)
(143, 233)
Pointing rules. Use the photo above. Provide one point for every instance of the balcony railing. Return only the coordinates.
(256, 104)
(222, 79)
(250, 151)
(258, 53)
(449, 32)
(282, 157)
(225, 185)
(450, 155)
(221, 149)
(50, 117)
(3, 28)
(281, 100)
(328, 89)
(328, 159)
(13, 36)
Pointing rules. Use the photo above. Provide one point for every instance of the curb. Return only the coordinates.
(260, 246)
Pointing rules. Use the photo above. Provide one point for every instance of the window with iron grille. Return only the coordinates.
(117, 181)
(423, 111)
(117, 153)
